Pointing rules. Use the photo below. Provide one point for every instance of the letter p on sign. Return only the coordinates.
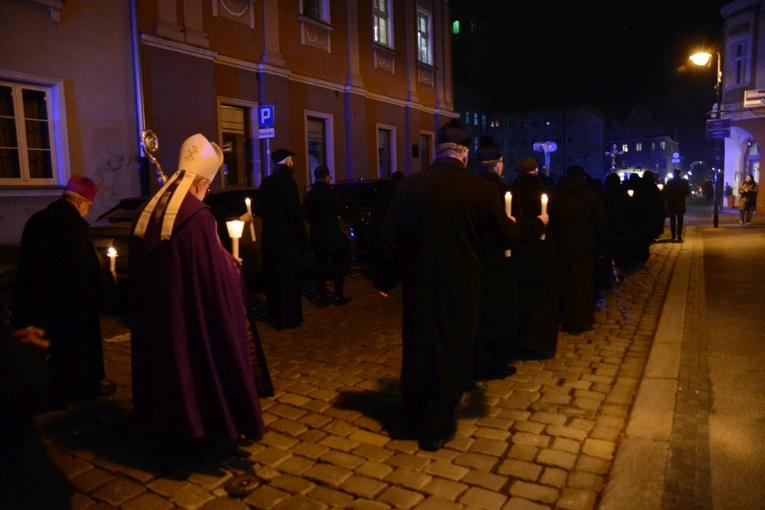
(265, 116)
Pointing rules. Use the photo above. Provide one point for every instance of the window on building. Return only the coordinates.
(570, 118)
(319, 147)
(523, 141)
(317, 10)
(238, 162)
(511, 123)
(625, 165)
(386, 160)
(559, 158)
(570, 138)
(663, 145)
(483, 121)
(512, 159)
(653, 146)
(29, 123)
(523, 124)
(383, 21)
(456, 27)
(475, 119)
(511, 142)
(426, 150)
(534, 122)
(558, 139)
(547, 121)
(558, 120)
(638, 147)
(625, 147)
(473, 28)
(424, 36)
(739, 64)
(467, 117)
(639, 165)
(570, 159)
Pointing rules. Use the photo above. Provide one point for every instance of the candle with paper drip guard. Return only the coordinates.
(235, 228)
(508, 211)
(630, 192)
(248, 202)
(660, 186)
(112, 254)
(544, 210)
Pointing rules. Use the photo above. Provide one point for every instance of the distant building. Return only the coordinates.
(359, 86)
(743, 91)
(577, 131)
(644, 146)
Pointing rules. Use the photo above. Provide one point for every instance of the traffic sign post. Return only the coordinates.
(266, 119)
(718, 128)
(265, 116)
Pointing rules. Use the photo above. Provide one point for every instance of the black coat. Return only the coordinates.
(438, 223)
(537, 260)
(58, 279)
(284, 233)
(578, 220)
(321, 206)
(676, 190)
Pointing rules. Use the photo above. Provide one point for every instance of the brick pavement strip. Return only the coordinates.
(541, 438)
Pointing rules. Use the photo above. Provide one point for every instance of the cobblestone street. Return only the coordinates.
(542, 438)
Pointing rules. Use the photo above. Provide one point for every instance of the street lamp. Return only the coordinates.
(704, 59)
(547, 148)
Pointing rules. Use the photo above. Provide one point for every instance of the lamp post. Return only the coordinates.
(701, 59)
(547, 148)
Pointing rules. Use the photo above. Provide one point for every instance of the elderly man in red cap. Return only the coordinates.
(57, 289)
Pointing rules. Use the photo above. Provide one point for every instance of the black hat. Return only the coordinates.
(576, 171)
(488, 149)
(526, 164)
(280, 155)
(320, 172)
(454, 131)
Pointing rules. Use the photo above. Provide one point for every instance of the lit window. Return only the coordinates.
(739, 65)
(383, 22)
(625, 147)
(424, 37)
(663, 145)
(483, 121)
(317, 10)
(475, 119)
(30, 120)
(456, 27)
(467, 117)
(638, 147)
(653, 146)
(319, 148)
(237, 149)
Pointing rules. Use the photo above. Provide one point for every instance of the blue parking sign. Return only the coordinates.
(265, 116)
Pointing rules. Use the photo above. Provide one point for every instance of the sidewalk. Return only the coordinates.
(542, 438)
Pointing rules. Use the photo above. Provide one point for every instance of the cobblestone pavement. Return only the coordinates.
(542, 438)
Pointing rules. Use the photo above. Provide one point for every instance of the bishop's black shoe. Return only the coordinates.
(433, 444)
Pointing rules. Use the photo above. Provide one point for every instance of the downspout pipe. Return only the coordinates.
(143, 161)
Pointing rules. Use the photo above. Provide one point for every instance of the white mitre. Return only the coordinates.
(198, 157)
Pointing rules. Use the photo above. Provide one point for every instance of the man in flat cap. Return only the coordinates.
(197, 365)
(499, 279)
(284, 240)
(57, 288)
(538, 292)
(435, 227)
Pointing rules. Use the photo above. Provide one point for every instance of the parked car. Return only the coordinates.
(365, 200)
(113, 229)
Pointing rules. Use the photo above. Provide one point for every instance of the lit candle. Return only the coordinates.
(235, 228)
(630, 192)
(544, 209)
(248, 202)
(509, 212)
(112, 254)
(661, 186)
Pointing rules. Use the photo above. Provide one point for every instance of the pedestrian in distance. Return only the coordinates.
(498, 331)
(284, 240)
(198, 367)
(747, 201)
(57, 288)
(676, 190)
(322, 207)
(435, 226)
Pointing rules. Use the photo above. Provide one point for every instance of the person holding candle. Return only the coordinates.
(499, 278)
(435, 228)
(579, 225)
(198, 367)
(284, 240)
(538, 292)
(58, 288)
(322, 206)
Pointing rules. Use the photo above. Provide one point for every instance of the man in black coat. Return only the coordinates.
(57, 289)
(676, 190)
(436, 224)
(538, 284)
(322, 206)
(284, 239)
(498, 331)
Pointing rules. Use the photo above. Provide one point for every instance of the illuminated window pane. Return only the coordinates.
(456, 27)
(424, 49)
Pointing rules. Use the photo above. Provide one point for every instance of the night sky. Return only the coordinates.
(613, 56)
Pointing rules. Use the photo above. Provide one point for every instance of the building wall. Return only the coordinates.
(86, 46)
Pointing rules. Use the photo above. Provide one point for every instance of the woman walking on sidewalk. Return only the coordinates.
(748, 201)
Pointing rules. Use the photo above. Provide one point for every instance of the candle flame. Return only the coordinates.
(111, 252)
(247, 201)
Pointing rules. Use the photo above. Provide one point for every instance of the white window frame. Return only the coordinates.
(663, 145)
(376, 14)
(638, 147)
(58, 136)
(625, 147)
(329, 130)
(325, 18)
(429, 50)
(393, 155)
(731, 79)
(252, 112)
